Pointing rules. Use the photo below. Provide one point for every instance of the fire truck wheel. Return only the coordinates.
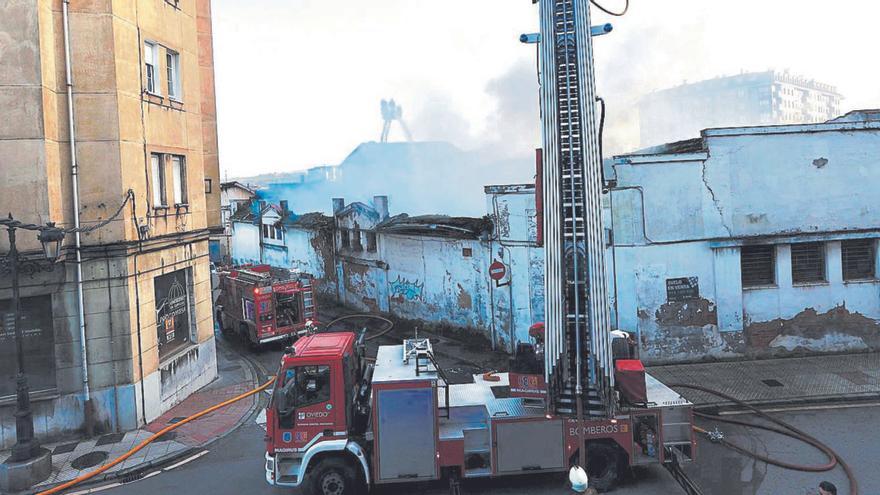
(602, 466)
(333, 477)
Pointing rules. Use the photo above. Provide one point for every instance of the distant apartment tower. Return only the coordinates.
(755, 98)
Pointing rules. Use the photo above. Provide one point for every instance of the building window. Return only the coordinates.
(273, 232)
(38, 343)
(859, 258)
(344, 239)
(209, 186)
(151, 56)
(371, 242)
(172, 66)
(808, 262)
(173, 311)
(758, 265)
(158, 171)
(467, 252)
(356, 244)
(178, 167)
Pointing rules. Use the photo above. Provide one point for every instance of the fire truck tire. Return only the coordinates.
(333, 477)
(603, 463)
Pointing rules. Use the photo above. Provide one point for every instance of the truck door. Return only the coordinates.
(305, 405)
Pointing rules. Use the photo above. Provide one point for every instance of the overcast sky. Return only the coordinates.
(299, 81)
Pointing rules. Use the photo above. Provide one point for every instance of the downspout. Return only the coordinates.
(74, 171)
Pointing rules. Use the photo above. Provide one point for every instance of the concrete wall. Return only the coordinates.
(688, 215)
(306, 250)
(424, 276)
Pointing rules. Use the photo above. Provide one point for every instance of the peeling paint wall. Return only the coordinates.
(687, 215)
(309, 251)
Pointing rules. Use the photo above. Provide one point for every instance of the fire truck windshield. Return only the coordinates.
(301, 386)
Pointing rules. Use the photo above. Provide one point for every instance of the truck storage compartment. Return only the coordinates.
(529, 445)
(407, 434)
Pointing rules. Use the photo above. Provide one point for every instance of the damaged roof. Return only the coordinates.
(314, 220)
(694, 145)
(437, 225)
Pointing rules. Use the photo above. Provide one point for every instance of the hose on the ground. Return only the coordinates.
(786, 429)
(390, 324)
(123, 457)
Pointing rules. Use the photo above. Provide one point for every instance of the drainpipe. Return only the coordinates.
(74, 170)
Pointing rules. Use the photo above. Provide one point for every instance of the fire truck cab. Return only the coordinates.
(336, 424)
(264, 304)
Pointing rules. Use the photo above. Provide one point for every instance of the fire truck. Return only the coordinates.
(263, 304)
(337, 424)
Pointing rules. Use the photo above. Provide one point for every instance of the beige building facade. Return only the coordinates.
(144, 118)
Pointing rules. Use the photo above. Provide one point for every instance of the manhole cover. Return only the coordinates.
(171, 435)
(91, 459)
(773, 383)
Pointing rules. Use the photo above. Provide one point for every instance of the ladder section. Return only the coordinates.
(577, 321)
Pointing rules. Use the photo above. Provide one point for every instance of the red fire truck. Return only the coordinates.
(337, 424)
(264, 304)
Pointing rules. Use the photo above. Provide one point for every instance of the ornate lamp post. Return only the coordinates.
(26, 446)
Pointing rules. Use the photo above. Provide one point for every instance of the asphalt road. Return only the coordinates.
(234, 464)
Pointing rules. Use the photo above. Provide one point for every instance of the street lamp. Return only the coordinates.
(51, 237)
(26, 446)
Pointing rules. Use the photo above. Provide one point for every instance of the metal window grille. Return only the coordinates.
(808, 262)
(859, 258)
(758, 264)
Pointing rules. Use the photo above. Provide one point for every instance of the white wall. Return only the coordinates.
(687, 215)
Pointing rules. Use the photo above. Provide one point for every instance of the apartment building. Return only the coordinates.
(144, 147)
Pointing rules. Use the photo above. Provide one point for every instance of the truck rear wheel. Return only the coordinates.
(603, 462)
(333, 477)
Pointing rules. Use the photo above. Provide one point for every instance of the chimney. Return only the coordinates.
(338, 205)
(380, 203)
(284, 207)
(256, 208)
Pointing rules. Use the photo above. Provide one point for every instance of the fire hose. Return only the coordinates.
(92, 474)
(785, 429)
(390, 324)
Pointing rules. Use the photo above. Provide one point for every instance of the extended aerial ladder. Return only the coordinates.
(578, 352)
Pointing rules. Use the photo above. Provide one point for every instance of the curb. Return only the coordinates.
(133, 473)
(138, 472)
(794, 401)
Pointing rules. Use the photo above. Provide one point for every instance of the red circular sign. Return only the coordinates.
(497, 270)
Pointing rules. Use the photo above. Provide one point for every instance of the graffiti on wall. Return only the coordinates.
(406, 289)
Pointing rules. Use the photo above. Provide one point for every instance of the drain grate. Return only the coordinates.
(64, 449)
(171, 435)
(91, 459)
(111, 438)
(772, 383)
(177, 419)
(133, 476)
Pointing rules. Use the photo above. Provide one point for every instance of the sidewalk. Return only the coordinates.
(785, 381)
(74, 458)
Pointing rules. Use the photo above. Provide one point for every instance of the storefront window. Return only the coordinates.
(39, 344)
(172, 311)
